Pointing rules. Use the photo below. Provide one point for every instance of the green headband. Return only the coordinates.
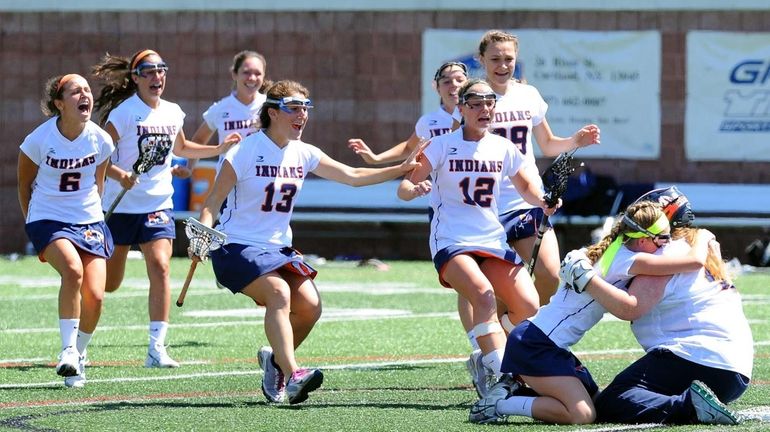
(658, 227)
(609, 255)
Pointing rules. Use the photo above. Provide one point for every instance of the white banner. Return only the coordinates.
(611, 79)
(728, 96)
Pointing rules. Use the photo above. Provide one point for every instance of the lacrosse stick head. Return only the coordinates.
(203, 239)
(153, 149)
(555, 177)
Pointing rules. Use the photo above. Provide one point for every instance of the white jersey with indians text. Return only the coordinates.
(269, 179)
(466, 184)
(699, 319)
(65, 189)
(516, 114)
(131, 119)
(229, 115)
(433, 124)
(569, 315)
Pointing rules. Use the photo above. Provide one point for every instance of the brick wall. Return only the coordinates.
(362, 69)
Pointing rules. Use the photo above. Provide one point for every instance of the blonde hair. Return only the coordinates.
(714, 263)
(644, 213)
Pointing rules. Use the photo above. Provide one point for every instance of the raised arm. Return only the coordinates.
(202, 135)
(396, 153)
(552, 145)
(661, 265)
(191, 149)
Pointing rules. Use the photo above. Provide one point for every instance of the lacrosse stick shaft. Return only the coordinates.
(539, 239)
(114, 204)
(190, 273)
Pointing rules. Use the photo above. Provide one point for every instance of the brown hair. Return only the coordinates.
(53, 89)
(115, 72)
(277, 91)
(238, 60)
(494, 36)
(644, 213)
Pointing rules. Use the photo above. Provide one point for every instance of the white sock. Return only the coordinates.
(493, 360)
(83, 340)
(158, 331)
(472, 340)
(516, 405)
(68, 329)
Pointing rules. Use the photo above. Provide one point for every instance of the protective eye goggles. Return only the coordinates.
(289, 104)
(449, 64)
(476, 100)
(143, 69)
(659, 225)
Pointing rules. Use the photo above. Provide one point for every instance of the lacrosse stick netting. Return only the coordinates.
(203, 240)
(153, 150)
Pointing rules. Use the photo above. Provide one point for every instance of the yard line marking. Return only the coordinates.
(643, 426)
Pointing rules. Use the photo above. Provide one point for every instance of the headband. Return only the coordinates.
(654, 229)
(140, 56)
(64, 80)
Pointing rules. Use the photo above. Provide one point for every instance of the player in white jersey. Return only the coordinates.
(447, 81)
(61, 171)
(695, 335)
(267, 173)
(467, 241)
(519, 116)
(538, 349)
(237, 112)
(131, 105)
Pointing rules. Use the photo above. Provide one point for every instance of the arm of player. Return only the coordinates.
(101, 172)
(331, 169)
(661, 265)
(26, 172)
(528, 186)
(224, 183)
(396, 153)
(202, 135)
(552, 145)
(190, 149)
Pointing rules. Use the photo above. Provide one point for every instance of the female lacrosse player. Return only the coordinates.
(131, 105)
(467, 241)
(60, 179)
(266, 173)
(694, 332)
(239, 111)
(447, 80)
(538, 349)
(520, 114)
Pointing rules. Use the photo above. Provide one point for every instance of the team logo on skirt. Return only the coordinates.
(158, 218)
(93, 236)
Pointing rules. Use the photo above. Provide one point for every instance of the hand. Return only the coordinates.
(360, 148)
(128, 180)
(576, 270)
(230, 140)
(422, 188)
(181, 171)
(413, 161)
(587, 135)
(549, 211)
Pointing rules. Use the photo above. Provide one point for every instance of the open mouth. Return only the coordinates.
(84, 107)
(297, 126)
(156, 87)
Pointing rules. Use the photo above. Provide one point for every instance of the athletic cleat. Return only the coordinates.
(68, 362)
(708, 408)
(79, 380)
(273, 385)
(157, 357)
(470, 365)
(485, 409)
(302, 382)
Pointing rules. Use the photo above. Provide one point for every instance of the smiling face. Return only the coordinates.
(499, 60)
(448, 85)
(250, 76)
(289, 119)
(76, 100)
(150, 77)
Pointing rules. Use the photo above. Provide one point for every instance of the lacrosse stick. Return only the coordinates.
(153, 149)
(203, 240)
(555, 183)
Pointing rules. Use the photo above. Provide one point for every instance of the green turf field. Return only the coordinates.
(390, 344)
